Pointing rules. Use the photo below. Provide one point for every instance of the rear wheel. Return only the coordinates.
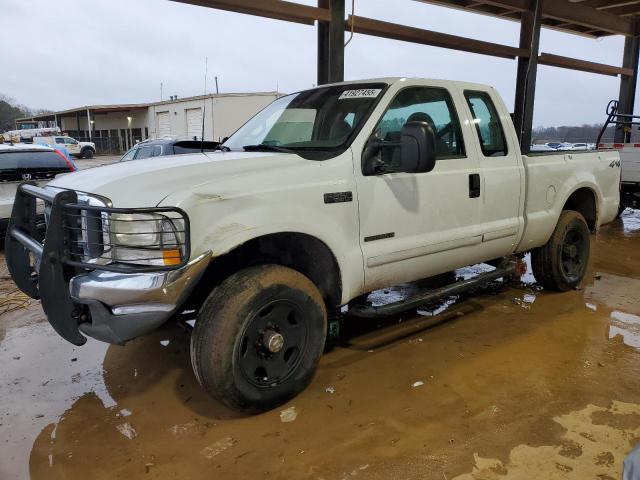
(561, 263)
(258, 337)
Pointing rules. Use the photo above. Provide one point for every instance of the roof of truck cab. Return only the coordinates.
(393, 80)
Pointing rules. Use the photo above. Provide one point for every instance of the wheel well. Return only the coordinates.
(298, 251)
(583, 201)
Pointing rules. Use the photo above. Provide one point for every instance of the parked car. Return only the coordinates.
(325, 195)
(74, 147)
(554, 145)
(542, 147)
(167, 146)
(579, 146)
(23, 162)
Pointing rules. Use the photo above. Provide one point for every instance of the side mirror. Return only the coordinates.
(417, 147)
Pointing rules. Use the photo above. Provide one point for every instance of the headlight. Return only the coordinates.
(147, 239)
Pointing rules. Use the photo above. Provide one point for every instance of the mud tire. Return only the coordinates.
(224, 334)
(86, 153)
(548, 262)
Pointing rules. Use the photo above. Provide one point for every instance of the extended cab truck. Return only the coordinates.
(73, 146)
(325, 195)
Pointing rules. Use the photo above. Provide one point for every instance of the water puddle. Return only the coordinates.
(630, 221)
(41, 378)
(594, 445)
(627, 325)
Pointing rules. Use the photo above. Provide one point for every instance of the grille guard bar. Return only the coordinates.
(41, 265)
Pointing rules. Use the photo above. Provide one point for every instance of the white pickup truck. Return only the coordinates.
(325, 195)
(73, 146)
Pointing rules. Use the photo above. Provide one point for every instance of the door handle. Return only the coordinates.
(474, 185)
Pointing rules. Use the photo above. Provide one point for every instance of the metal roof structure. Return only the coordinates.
(591, 18)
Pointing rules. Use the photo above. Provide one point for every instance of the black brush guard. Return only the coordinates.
(41, 262)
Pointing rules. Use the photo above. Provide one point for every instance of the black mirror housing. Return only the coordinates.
(417, 147)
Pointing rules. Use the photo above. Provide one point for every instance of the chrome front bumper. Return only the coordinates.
(126, 305)
(112, 302)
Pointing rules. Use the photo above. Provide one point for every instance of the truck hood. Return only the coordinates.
(145, 183)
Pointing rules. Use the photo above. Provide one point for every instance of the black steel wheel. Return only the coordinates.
(562, 263)
(272, 342)
(258, 337)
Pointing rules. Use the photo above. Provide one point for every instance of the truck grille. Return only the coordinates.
(98, 236)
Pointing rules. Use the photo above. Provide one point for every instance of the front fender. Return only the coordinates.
(220, 222)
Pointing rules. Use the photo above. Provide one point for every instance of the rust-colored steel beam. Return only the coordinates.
(582, 65)
(276, 9)
(394, 31)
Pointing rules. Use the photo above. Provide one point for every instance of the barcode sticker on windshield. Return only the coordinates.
(360, 93)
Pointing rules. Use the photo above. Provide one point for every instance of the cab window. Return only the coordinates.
(59, 140)
(149, 151)
(488, 127)
(70, 141)
(431, 105)
(129, 155)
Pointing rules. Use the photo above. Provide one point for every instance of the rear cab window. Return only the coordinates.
(487, 121)
(32, 165)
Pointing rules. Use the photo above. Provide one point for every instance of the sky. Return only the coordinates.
(87, 52)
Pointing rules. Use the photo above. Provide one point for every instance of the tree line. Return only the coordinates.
(10, 111)
(584, 133)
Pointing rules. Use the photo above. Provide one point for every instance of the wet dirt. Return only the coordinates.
(511, 383)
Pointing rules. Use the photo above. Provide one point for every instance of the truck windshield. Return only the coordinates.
(324, 119)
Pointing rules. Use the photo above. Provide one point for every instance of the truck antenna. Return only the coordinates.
(204, 103)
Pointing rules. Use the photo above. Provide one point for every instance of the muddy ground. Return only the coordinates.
(512, 383)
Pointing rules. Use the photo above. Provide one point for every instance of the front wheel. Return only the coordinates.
(87, 153)
(258, 337)
(561, 263)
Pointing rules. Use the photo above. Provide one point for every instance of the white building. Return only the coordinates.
(115, 128)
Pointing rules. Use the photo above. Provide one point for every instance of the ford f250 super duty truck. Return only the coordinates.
(323, 196)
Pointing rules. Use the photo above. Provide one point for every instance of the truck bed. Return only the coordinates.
(551, 177)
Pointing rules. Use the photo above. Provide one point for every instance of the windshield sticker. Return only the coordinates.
(360, 93)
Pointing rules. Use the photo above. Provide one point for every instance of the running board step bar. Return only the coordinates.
(508, 268)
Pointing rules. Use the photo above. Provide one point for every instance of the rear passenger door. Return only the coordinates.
(501, 173)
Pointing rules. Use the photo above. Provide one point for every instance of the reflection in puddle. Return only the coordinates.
(525, 301)
(630, 221)
(627, 325)
(42, 376)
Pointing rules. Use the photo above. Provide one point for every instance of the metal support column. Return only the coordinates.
(527, 73)
(78, 124)
(89, 123)
(331, 43)
(626, 98)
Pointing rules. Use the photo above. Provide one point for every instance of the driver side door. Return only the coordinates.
(415, 225)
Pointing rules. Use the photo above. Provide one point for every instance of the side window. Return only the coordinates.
(488, 126)
(59, 140)
(149, 151)
(129, 155)
(423, 104)
(71, 141)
